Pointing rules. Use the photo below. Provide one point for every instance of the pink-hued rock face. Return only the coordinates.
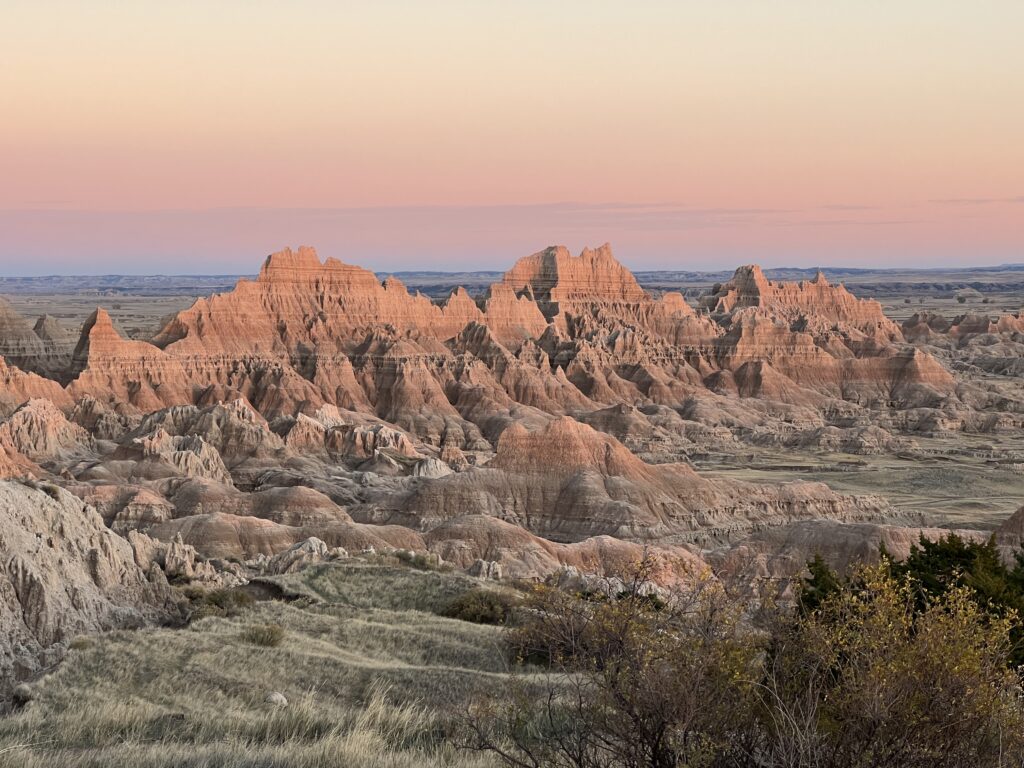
(126, 372)
(17, 386)
(296, 300)
(816, 300)
(541, 426)
(555, 276)
(559, 333)
(39, 431)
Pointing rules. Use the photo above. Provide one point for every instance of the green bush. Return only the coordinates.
(936, 567)
(267, 635)
(481, 606)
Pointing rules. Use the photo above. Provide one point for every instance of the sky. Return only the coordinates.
(196, 137)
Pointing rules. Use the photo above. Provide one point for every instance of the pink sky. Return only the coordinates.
(196, 137)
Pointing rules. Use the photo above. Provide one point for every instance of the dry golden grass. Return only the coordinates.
(372, 675)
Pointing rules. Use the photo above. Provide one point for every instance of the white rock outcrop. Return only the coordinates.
(63, 573)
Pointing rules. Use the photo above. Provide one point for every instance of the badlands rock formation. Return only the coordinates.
(63, 573)
(567, 482)
(546, 424)
(559, 335)
(987, 355)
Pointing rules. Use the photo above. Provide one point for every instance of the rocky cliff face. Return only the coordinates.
(554, 414)
(560, 334)
(17, 386)
(568, 482)
(123, 372)
(63, 573)
(554, 276)
(814, 301)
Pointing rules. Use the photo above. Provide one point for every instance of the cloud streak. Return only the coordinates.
(979, 200)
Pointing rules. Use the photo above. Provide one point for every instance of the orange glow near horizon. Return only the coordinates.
(396, 133)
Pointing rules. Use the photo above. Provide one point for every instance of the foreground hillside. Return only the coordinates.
(363, 662)
(373, 676)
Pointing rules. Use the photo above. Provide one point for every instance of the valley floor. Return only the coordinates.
(961, 481)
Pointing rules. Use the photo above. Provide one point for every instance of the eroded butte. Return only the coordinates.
(563, 418)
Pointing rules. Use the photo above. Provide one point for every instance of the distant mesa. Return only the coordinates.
(554, 276)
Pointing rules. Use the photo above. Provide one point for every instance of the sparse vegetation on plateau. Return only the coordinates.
(364, 666)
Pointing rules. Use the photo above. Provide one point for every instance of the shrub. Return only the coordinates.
(635, 682)
(221, 602)
(481, 606)
(423, 561)
(50, 490)
(875, 676)
(933, 568)
(871, 674)
(267, 635)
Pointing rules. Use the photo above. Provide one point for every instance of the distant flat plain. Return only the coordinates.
(139, 304)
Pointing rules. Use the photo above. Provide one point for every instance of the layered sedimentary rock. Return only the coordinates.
(560, 406)
(308, 312)
(237, 536)
(58, 344)
(43, 348)
(18, 386)
(487, 546)
(993, 345)
(554, 276)
(567, 482)
(815, 302)
(41, 432)
(13, 465)
(19, 343)
(124, 372)
(795, 341)
(62, 573)
(560, 334)
(234, 429)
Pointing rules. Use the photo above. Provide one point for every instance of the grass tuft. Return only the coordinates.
(267, 635)
(224, 603)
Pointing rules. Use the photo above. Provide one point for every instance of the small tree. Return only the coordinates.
(819, 585)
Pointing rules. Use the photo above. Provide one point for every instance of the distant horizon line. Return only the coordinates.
(1014, 265)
